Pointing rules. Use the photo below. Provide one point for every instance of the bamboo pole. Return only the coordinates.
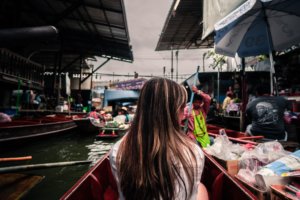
(16, 158)
(41, 166)
(191, 101)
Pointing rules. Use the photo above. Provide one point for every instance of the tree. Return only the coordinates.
(218, 60)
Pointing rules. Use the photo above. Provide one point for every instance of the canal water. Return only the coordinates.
(71, 146)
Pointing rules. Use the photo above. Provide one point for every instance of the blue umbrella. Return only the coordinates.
(259, 27)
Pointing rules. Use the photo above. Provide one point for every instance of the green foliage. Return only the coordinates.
(262, 58)
(218, 60)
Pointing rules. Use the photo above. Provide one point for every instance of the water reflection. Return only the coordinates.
(67, 147)
(98, 149)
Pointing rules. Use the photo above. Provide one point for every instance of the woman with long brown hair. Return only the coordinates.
(155, 159)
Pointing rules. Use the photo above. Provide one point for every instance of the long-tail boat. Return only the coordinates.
(20, 130)
(99, 183)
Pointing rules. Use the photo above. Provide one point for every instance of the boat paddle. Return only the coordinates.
(41, 166)
(191, 101)
(16, 158)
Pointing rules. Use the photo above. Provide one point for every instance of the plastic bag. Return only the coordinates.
(225, 149)
(261, 155)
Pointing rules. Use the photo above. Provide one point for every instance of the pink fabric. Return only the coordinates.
(94, 115)
(4, 118)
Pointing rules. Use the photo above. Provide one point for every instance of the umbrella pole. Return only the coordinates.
(271, 72)
(274, 86)
(244, 95)
(269, 37)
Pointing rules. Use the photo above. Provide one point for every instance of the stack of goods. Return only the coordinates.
(116, 125)
(260, 166)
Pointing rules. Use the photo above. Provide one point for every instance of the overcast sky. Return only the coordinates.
(145, 20)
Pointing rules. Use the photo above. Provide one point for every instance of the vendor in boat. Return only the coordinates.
(103, 115)
(123, 116)
(94, 114)
(197, 119)
(266, 114)
(155, 160)
(226, 101)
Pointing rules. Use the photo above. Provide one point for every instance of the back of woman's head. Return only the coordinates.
(146, 156)
(159, 104)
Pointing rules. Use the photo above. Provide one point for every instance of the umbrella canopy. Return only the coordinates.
(259, 27)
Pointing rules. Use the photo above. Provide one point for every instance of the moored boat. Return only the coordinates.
(214, 130)
(87, 125)
(20, 130)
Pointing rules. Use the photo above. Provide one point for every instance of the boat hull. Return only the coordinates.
(111, 133)
(214, 130)
(85, 126)
(23, 130)
(99, 183)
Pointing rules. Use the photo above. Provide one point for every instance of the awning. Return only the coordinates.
(86, 28)
(213, 11)
(183, 27)
(120, 95)
(191, 24)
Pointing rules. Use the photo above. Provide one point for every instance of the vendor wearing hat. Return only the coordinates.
(123, 116)
(125, 112)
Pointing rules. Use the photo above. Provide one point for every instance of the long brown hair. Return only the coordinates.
(147, 160)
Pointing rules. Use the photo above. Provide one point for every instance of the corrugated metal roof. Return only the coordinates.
(86, 28)
(183, 28)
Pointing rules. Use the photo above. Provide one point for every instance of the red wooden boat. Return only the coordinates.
(213, 130)
(86, 125)
(19, 130)
(111, 133)
(98, 183)
(237, 136)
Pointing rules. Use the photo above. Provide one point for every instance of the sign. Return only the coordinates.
(136, 84)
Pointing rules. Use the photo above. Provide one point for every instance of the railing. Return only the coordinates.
(15, 66)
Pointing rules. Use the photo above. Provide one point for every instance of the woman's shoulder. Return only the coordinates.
(198, 151)
(115, 148)
(113, 153)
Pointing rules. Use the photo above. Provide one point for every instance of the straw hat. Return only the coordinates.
(124, 108)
